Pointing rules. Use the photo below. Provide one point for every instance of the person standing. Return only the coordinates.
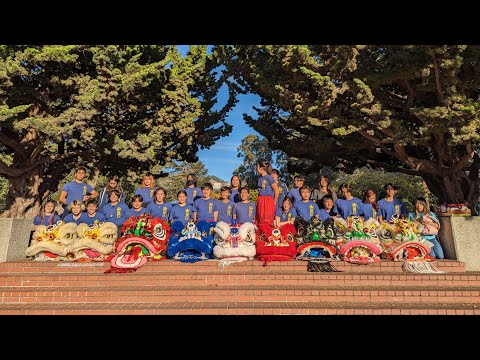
(76, 190)
(282, 188)
(323, 189)
(147, 189)
(267, 194)
(104, 197)
(390, 206)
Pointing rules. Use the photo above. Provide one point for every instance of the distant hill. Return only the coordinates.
(216, 178)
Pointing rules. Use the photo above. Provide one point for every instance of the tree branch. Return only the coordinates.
(463, 160)
(388, 166)
(437, 80)
(19, 149)
(423, 165)
(9, 171)
(411, 94)
(377, 141)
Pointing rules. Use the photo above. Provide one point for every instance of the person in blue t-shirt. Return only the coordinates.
(245, 210)
(92, 216)
(76, 190)
(158, 207)
(286, 214)
(48, 216)
(104, 197)
(205, 208)
(147, 189)
(116, 211)
(282, 188)
(369, 205)
(390, 206)
(137, 208)
(306, 208)
(349, 205)
(235, 185)
(267, 194)
(328, 208)
(294, 194)
(76, 214)
(193, 192)
(225, 205)
(182, 211)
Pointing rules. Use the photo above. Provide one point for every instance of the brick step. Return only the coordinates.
(254, 308)
(237, 278)
(156, 294)
(206, 266)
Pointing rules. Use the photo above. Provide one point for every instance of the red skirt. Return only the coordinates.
(265, 210)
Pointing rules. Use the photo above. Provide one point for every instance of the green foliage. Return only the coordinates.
(253, 149)
(118, 109)
(409, 187)
(3, 192)
(177, 177)
(409, 109)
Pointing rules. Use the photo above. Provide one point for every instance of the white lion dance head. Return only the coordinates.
(234, 243)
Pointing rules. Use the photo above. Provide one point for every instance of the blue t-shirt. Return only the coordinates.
(245, 212)
(388, 209)
(161, 211)
(225, 211)
(146, 193)
(264, 184)
(282, 193)
(116, 213)
(324, 214)
(307, 209)
(286, 216)
(132, 212)
(205, 208)
(193, 194)
(99, 217)
(76, 191)
(104, 198)
(46, 221)
(82, 219)
(348, 208)
(181, 213)
(368, 211)
(294, 194)
(234, 196)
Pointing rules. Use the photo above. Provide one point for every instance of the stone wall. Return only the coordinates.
(460, 239)
(14, 238)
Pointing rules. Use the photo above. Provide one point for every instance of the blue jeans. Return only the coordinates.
(436, 251)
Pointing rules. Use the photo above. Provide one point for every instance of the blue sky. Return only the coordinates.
(221, 159)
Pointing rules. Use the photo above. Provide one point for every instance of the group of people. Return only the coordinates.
(276, 205)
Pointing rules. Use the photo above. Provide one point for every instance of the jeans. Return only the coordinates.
(436, 251)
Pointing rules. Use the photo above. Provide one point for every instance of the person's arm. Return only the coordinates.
(194, 216)
(275, 192)
(63, 197)
(215, 215)
(93, 194)
(277, 221)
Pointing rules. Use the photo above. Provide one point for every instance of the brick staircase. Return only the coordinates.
(169, 287)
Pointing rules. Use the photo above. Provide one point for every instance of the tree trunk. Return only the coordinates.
(456, 188)
(24, 198)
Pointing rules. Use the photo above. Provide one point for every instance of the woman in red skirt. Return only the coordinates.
(267, 194)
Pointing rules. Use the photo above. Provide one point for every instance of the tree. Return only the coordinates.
(177, 176)
(117, 109)
(251, 150)
(408, 109)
